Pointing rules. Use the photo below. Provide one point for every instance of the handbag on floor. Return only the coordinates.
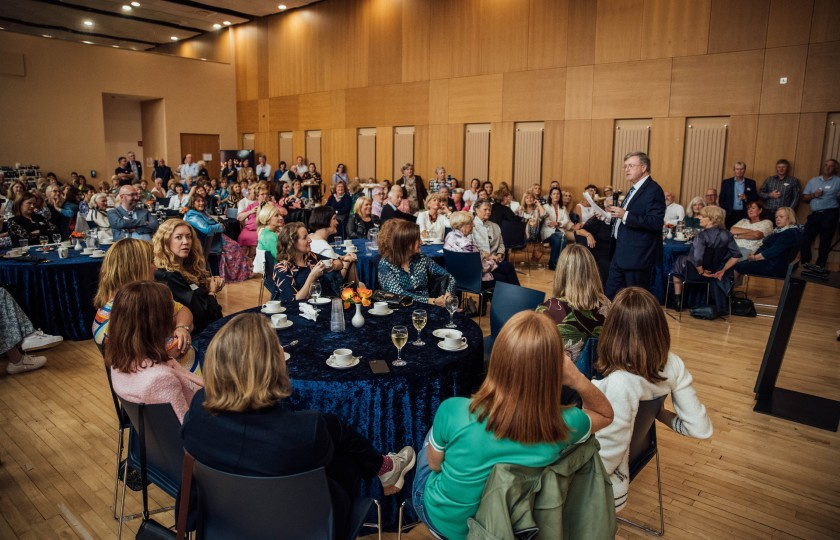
(743, 306)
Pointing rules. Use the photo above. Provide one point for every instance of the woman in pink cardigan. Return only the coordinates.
(141, 369)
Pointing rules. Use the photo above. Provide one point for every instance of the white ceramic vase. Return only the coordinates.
(358, 319)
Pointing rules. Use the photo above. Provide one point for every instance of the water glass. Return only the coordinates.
(56, 238)
(451, 307)
(315, 291)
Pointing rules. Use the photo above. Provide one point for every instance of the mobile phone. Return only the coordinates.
(379, 367)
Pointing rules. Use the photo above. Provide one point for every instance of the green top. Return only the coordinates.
(268, 241)
(453, 495)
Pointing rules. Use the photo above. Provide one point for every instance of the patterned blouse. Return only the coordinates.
(415, 282)
(575, 326)
(289, 278)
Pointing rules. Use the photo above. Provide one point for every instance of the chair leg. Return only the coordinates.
(668, 284)
(117, 476)
(262, 289)
(122, 504)
(378, 524)
(645, 528)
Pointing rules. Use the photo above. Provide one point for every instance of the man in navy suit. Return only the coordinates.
(636, 227)
(735, 193)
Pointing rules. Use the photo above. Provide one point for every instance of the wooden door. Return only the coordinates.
(201, 145)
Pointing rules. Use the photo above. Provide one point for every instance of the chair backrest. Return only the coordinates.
(513, 233)
(643, 442)
(292, 507)
(508, 300)
(268, 274)
(163, 201)
(122, 417)
(587, 357)
(465, 268)
(158, 430)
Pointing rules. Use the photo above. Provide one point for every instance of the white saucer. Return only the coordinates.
(92, 256)
(380, 313)
(373, 248)
(282, 326)
(281, 310)
(10, 256)
(440, 332)
(332, 364)
(461, 348)
(321, 301)
(287, 356)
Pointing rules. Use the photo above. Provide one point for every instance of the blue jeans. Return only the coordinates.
(421, 476)
(558, 242)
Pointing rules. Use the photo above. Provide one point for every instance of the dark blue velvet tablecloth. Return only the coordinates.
(671, 249)
(391, 410)
(56, 295)
(367, 265)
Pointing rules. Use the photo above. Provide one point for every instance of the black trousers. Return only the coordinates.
(820, 223)
(620, 278)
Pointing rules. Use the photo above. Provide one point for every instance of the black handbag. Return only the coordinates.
(743, 306)
(152, 530)
(394, 300)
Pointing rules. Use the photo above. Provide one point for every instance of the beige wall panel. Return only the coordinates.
(717, 84)
(299, 145)
(503, 31)
(386, 38)
(618, 30)
(667, 138)
(552, 153)
(416, 33)
(247, 116)
(295, 51)
(246, 58)
(580, 42)
(262, 114)
(809, 145)
(728, 30)
(826, 21)
(438, 147)
(347, 49)
(821, 88)
(631, 89)
(266, 143)
(440, 45)
(579, 92)
(547, 33)
(789, 22)
(464, 36)
(576, 151)
(392, 105)
(422, 164)
(315, 111)
(385, 153)
(338, 102)
(783, 62)
(675, 28)
(455, 150)
(740, 143)
(438, 101)
(338, 146)
(534, 95)
(475, 99)
(501, 152)
(777, 134)
(283, 113)
(600, 157)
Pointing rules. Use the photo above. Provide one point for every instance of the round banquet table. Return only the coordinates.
(367, 263)
(392, 410)
(671, 249)
(57, 294)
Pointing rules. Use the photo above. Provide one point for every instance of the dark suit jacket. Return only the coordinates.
(389, 212)
(639, 243)
(727, 192)
(144, 222)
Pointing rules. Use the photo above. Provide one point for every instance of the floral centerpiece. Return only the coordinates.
(358, 297)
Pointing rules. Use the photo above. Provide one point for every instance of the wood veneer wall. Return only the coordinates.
(577, 65)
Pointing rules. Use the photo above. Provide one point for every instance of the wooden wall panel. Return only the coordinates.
(266, 143)
(547, 33)
(464, 36)
(738, 25)
(437, 147)
(740, 144)
(717, 84)
(246, 58)
(825, 21)
(600, 156)
(475, 99)
(789, 22)
(338, 103)
(299, 145)
(821, 89)
(576, 150)
(552, 153)
(348, 49)
(503, 36)
(579, 86)
(392, 105)
(580, 43)
(501, 152)
(440, 46)
(667, 140)
(416, 24)
(385, 153)
(421, 152)
(283, 113)
(262, 114)
(783, 62)
(618, 30)
(631, 89)
(675, 28)
(338, 146)
(455, 150)
(315, 111)
(439, 101)
(247, 113)
(534, 95)
(809, 145)
(777, 134)
(386, 39)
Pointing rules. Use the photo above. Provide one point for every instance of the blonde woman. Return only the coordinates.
(432, 222)
(692, 213)
(578, 305)
(269, 221)
(180, 263)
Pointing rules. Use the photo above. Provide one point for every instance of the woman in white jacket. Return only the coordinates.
(99, 216)
(634, 356)
(555, 225)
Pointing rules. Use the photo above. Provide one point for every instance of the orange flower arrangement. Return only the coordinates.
(359, 296)
(77, 234)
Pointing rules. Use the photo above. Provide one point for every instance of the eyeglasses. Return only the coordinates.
(632, 165)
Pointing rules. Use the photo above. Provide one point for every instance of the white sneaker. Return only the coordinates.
(38, 340)
(392, 481)
(27, 363)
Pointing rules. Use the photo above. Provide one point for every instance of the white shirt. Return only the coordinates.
(626, 203)
(176, 204)
(435, 229)
(322, 247)
(674, 212)
(560, 216)
(264, 169)
(243, 204)
(188, 171)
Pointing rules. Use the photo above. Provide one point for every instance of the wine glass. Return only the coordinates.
(451, 307)
(56, 238)
(315, 291)
(418, 319)
(44, 240)
(399, 337)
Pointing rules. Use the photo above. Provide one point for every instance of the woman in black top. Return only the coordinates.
(362, 219)
(341, 201)
(27, 224)
(500, 211)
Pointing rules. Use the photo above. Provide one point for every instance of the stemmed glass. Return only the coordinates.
(451, 307)
(315, 291)
(399, 337)
(418, 319)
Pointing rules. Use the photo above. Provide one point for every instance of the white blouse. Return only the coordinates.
(435, 229)
(559, 215)
(176, 204)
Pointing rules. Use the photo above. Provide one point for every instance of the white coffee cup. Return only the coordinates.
(453, 339)
(343, 357)
(63, 252)
(679, 237)
(88, 251)
(348, 242)
(272, 306)
(98, 253)
(380, 307)
(279, 319)
(350, 249)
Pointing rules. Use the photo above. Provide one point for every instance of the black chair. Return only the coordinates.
(159, 455)
(513, 236)
(508, 300)
(467, 271)
(123, 423)
(163, 201)
(292, 507)
(643, 448)
(211, 256)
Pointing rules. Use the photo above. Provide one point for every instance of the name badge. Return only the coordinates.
(193, 286)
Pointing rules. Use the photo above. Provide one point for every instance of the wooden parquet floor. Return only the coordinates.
(758, 477)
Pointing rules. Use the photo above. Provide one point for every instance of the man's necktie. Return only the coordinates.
(616, 221)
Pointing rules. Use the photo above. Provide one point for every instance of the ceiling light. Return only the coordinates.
(88, 23)
(226, 23)
(135, 4)
(126, 8)
(281, 7)
(217, 26)
(115, 46)
(88, 43)
(174, 38)
(46, 35)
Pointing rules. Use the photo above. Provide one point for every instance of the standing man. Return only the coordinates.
(440, 180)
(636, 227)
(780, 190)
(822, 193)
(135, 166)
(735, 193)
(263, 168)
(129, 222)
(188, 171)
(674, 211)
(123, 172)
(162, 171)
